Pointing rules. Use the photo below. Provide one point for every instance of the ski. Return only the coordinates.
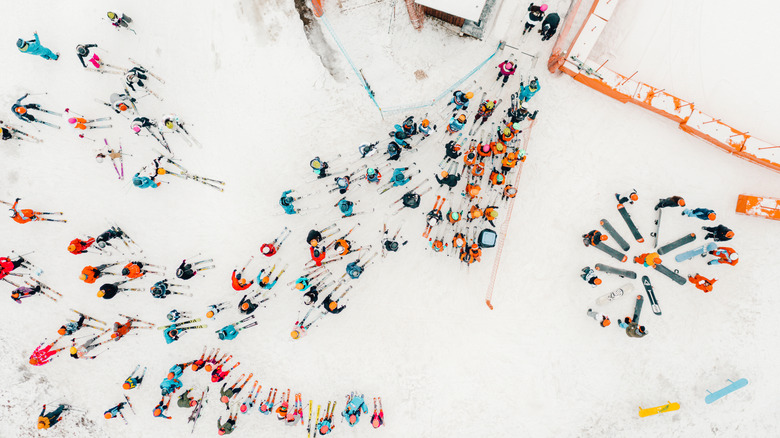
(147, 70)
(651, 295)
(657, 228)
(700, 251)
(621, 272)
(614, 234)
(49, 112)
(46, 123)
(677, 243)
(631, 226)
(669, 273)
(637, 309)
(129, 404)
(198, 408)
(88, 317)
(615, 294)
(308, 428)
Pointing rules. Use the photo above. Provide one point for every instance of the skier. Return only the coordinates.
(312, 295)
(246, 306)
(378, 419)
(474, 213)
(20, 111)
(485, 111)
(138, 269)
(589, 275)
(672, 201)
(34, 47)
(227, 427)
(286, 201)
(148, 124)
(264, 281)
(120, 330)
(398, 179)
(725, 255)
(145, 182)
(648, 259)
(549, 26)
(535, 15)
(169, 386)
(393, 151)
(185, 401)
(508, 162)
(159, 410)
(325, 424)
(426, 128)
(119, 19)
(112, 233)
(461, 100)
(46, 421)
(367, 149)
(226, 394)
(452, 150)
(721, 233)
(121, 102)
(491, 214)
(91, 273)
(23, 292)
(593, 238)
(496, 178)
(373, 175)
(447, 179)
(509, 192)
(162, 289)
(634, 330)
(80, 352)
(600, 318)
(630, 198)
(506, 69)
(319, 167)
(82, 51)
(456, 124)
(332, 306)
(471, 254)
(78, 246)
(44, 354)
(230, 331)
(700, 213)
(136, 76)
(116, 411)
(73, 326)
(238, 282)
(133, 381)
(26, 215)
(185, 271)
(355, 404)
(346, 207)
(702, 283)
(526, 93)
(411, 200)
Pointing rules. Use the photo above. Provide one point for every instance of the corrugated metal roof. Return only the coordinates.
(468, 9)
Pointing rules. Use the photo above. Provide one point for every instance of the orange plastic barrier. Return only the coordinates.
(760, 206)
(316, 6)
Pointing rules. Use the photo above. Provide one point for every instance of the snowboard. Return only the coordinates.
(677, 243)
(637, 309)
(615, 294)
(700, 251)
(657, 228)
(612, 252)
(620, 272)
(614, 234)
(651, 295)
(733, 386)
(659, 409)
(631, 226)
(671, 274)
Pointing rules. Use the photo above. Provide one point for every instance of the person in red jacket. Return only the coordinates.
(42, 356)
(27, 215)
(238, 282)
(7, 265)
(702, 283)
(78, 246)
(724, 255)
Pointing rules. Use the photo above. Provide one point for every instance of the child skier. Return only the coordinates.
(185, 271)
(721, 233)
(80, 352)
(162, 406)
(228, 426)
(44, 354)
(702, 283)
(90, 274)
(355, 404)
(114, 412)
(34, 47)
(119, 20)
(26, 215)
(589, 275)
(725, 255)
(238, 282)
(46, 421)
(700, 213)
(600, 318)
(378, 419)
(133, 381)
(456, 124)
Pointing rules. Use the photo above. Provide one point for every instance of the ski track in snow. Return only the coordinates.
(416, 330)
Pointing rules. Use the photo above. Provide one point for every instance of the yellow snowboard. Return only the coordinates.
(659, 409)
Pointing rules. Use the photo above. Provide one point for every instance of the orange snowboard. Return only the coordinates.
(768, 208)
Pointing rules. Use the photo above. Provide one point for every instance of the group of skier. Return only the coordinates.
(595, 238)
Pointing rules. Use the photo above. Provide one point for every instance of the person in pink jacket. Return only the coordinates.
(506, 69)
(43, 354)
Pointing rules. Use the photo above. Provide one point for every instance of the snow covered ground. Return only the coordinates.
(416, 330)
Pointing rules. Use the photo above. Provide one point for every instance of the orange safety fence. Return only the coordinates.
(416, 15)
(505, 226)
(691, 120)
(558, 56)
(761, 206)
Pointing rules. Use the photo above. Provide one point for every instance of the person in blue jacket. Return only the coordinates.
(34, 47)
(286, 201)
(398, 177)
(355, 404)
(346, 207)
(145, 182)
(461, 99)
(526, 93)
(456, 124)
(169, 386)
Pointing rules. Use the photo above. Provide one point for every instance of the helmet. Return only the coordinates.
(603, 237)
(20, 43)
(12, 212)
(158, 411)
(125, 271)
(41, 424)
(81, 50)
(101, 293)
(108, 414)
(681, 202)
(462, 118)
(490, 105)
(137, 181)
(606, 323)
(516, 126)
(295, 334)
(634, 197)
(733, 256)
(499, 178)
(125, 385)
(711, 216)
(597, 281)
(169, 124)
(122, 106)
(730, 234)
(244, 306)
(455, 215)
(33, 361)
(534, 85)
(352, 419)
(136, 129)
(74, 350)
(469, 95)
(507, 131)
(543, 8)
(425, 123)
(62, 331)
(111, 15)
(493, 214)
(99, 158)
(265, 249)
(210, 314)
(444, 174)
(332, 305)
(474, 246)
(71, 247)
(20, 110)
(299, 286)
(370, 171)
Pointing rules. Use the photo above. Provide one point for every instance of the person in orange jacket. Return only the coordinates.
(497, 147)
(90, 274)
(509, 192)
(472, 190)
(724, 255)
(509, 162)
(496, 178)
(474, 213)
(491, 214)
(27, 215)
(78, 246)
(702, 283)
(238, 282)
(470, 157)
(648, 259)
(478, 169)
(138, 269)
(484, 150)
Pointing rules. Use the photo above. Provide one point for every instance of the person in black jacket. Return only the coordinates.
(535, 15)
(82, 51)
(447, 179)
(549, 26)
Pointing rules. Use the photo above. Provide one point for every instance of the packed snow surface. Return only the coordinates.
(416, 332)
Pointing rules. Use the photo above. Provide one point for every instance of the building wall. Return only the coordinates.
(457, 21)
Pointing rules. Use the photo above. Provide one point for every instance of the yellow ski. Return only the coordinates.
(659, 409)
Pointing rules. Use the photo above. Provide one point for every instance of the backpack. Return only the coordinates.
(487, 238)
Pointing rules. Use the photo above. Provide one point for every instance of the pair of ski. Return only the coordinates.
(54, 113)
(119, 173)
(184, 174)
(27, 137)
(628, 288)
(412, 191)
(390, 184)
(436, 209)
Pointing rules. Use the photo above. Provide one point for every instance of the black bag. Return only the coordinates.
(487, 238)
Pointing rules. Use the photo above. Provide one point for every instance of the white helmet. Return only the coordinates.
(733, 256)
(11, 212)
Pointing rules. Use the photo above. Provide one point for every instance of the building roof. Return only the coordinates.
(468, 9)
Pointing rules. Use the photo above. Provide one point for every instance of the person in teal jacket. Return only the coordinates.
(34, 47)
(526, 93)
(355, 405)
